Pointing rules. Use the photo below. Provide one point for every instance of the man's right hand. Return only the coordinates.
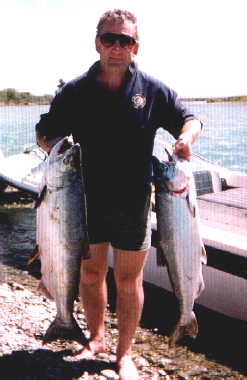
(45, 144)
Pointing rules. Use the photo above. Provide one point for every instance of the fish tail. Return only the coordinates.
(60, 330)
(180, 331)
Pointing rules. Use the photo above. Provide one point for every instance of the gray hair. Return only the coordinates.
(117, 15)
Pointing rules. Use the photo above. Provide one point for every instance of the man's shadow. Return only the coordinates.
(45, 364)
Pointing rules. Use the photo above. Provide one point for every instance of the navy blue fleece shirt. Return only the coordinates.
(115, 129)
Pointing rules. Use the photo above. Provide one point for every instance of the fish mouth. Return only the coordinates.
(67, 152)
(164, 170)
(59, 148)
(66, 144)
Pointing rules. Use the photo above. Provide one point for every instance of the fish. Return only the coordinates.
(179, 239)
(62, 240)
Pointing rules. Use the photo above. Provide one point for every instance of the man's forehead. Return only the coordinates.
(118, 26)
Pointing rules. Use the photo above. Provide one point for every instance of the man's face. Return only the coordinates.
(116, 57)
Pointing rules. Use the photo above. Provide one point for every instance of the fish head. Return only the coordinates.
(171, 173)
(179, 183)
(72, 158)
(63, 163)
(58, 149)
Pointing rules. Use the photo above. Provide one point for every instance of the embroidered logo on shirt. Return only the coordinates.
(138, 100)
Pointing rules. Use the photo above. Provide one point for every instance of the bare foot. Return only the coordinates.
(127, 369)
(88, 351)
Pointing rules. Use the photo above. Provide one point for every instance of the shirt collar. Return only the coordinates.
(92, 72)
(133, 68)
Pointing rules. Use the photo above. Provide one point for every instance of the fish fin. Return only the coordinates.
(60, 330)
(201, 287)
(203, 255)
(180, 331)
(191, 205)
(40, 197)
(160, 258)
(201, 284)
(34, 255)
(43, 289)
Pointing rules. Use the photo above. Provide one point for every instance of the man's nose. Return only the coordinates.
(116, 45)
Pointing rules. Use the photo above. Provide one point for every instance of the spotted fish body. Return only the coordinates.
(62, 237)
(179, 239)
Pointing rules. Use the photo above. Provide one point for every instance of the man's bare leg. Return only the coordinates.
(93, 293)
(128, 271)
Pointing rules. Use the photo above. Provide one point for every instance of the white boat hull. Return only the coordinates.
(223, 293)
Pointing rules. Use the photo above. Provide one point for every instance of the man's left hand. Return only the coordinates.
(182, 148)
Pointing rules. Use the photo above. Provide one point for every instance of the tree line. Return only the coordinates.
(10, 96)
(241, 98)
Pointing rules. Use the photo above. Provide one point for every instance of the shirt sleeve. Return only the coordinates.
(57, 122)
(172, 113)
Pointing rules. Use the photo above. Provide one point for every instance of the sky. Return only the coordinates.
(197, 47)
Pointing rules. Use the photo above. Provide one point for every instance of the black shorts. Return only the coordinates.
(126, 226)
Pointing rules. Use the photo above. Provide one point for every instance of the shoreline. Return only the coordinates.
(227, 99)
(2, 104)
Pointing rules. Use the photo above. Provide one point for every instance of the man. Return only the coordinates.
(113, 111)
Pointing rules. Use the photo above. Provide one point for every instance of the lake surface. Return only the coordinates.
(224, 138)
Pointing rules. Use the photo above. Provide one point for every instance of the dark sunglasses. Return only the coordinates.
(109, 39)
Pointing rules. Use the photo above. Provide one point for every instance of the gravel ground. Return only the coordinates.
(217, 353)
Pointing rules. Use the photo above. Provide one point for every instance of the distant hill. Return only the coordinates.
(10, 96)
(241, 98)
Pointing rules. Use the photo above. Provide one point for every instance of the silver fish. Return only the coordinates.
(62, 237)
(179, 239)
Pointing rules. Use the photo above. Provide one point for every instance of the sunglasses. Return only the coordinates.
(109, 39)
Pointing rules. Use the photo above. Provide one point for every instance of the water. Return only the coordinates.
(224, 138)
(17, 127)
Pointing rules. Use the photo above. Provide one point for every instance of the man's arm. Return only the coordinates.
(189, 133)
(44, 143)
(56, 123)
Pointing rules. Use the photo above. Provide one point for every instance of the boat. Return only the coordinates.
(222, 201)
(23, 170)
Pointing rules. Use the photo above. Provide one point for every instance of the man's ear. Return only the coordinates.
(97, 44)
(136, 48)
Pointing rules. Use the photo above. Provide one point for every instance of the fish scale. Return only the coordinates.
(179, 240)
(62, 237)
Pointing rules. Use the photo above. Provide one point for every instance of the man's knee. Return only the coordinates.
(129, 283)
(92, 276)
(128, 270)
(93, 270)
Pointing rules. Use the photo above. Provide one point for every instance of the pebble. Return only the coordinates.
(165, 361)
(25, 315)
(141, 362)
(109, 374)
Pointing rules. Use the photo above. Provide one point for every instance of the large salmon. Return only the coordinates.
(179, 239)
(62, 236)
